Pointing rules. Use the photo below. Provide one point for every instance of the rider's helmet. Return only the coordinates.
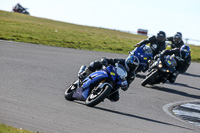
(131, 63)
(177, 38)
(184, 51)
(161, 36)
(179, 33)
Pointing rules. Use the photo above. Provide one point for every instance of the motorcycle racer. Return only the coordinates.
(176, 40)
(130, 63)
(157, 43)
(183, 58)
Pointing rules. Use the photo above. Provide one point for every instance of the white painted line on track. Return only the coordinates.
(168, 108)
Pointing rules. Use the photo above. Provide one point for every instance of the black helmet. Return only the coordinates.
(179, 34)
(177, 38)
(184, 51)
(161, 36)
(131, 62)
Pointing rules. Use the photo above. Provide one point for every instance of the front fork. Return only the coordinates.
(77, 82)
(101, 85)
(82, 68)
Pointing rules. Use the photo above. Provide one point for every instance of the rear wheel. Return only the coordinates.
(97, 96)
(70, 91)
(149, 78)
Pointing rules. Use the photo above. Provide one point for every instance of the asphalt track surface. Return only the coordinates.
(33, 79)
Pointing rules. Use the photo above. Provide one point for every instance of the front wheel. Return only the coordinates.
(96, 97)
(149, 78)
(70, 91)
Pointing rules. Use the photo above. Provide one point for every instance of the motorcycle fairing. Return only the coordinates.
(109, 72)
(94, 77)
(83, 92)
(139, 52)
(143, 57)
(78, 94)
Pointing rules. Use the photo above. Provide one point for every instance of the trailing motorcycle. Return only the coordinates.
(144, 54)
(160, 70)
(97, 86)
(18, 8)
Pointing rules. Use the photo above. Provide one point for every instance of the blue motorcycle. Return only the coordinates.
(97, 86)
(144, 54)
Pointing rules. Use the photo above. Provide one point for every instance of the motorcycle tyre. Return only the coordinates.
(69, 92)
(149, 78)
(104, 93)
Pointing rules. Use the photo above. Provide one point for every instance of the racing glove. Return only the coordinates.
(84, 74)
(137, 45)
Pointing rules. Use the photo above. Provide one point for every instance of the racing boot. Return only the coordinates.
(114, 97)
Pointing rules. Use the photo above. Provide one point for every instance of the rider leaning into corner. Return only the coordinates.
(157, 43)
(183, 58)
(176, 40)
(130, 63)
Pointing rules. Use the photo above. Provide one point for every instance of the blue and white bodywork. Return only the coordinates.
(143, 53)
(96, 83)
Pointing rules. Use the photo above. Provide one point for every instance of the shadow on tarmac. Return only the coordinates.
(159, 88)
(192, 75)
(142, 76)
(184, 85)
(131, 115)
(138, 117)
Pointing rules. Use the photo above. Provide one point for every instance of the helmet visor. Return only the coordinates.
(177, 39)
(161, 38)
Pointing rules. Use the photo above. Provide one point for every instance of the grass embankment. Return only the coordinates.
(24, 28)
(195, 53)
(9, 129)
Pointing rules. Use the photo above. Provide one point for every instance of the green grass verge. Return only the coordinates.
(24, 28)
(9, 129)
(195, 53)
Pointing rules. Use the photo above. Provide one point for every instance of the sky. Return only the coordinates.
(170, 16)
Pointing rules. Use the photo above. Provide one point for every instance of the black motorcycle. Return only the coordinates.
(160, 70)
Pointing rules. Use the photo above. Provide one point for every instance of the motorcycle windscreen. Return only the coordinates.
(143, 53)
